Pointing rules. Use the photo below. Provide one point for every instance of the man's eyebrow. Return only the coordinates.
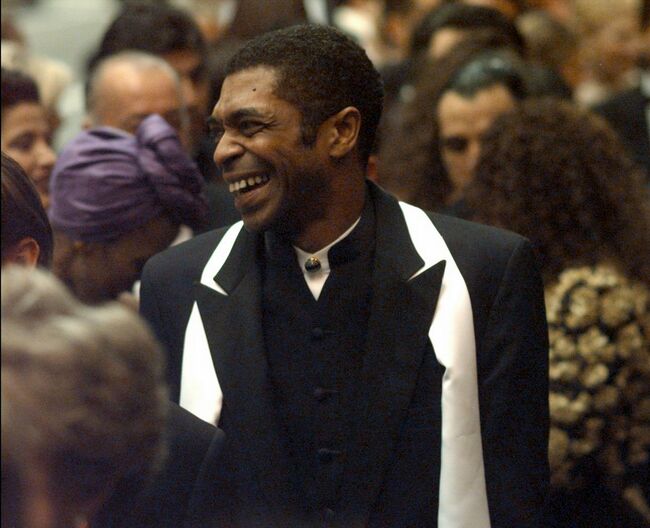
(242, 113)
(235, 117)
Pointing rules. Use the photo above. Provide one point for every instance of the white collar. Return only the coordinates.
(316, 279)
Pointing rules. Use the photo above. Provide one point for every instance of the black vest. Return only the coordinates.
(315, 351)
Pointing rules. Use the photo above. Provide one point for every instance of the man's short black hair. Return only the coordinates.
(488, 69)
(156, 28)
(464, 16)
(320, 71)
(17, 87)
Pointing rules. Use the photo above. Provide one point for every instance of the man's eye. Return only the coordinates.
(248, 128)
(455, 143)
(216, 132)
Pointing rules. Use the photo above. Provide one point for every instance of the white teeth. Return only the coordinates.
(247, 182)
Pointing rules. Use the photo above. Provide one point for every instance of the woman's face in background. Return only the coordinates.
(27, 137)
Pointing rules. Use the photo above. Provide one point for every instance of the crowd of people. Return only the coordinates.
(390, 258)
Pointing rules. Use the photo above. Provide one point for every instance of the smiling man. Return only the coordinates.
(370, 363)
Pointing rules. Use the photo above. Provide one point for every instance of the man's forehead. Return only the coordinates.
(257, 78)
(252, 90)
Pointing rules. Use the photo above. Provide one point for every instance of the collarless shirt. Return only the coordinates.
(316, 279)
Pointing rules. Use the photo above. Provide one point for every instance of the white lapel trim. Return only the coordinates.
(463, 495)
(200, 390)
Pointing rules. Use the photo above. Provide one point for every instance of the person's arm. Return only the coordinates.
(157, 302)
(161, 500)
(513, 389)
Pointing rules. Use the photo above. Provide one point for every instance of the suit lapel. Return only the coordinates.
(404, 301)
(233, 328)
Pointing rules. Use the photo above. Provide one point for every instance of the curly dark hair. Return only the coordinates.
(558, 175)
(320, 71)
(413, 169)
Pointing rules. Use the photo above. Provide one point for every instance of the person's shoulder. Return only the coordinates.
(186, 256)
(621, 108)
(613, 298)
(620, 102)
(183, 423)
(472, 237)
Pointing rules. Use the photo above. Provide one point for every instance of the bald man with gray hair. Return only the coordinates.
(127, 87)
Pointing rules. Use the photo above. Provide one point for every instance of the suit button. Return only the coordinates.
(312, 264)
(329, 514)
(326, 456)
(317, 334)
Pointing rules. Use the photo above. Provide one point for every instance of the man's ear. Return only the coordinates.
(24, 253)
(343, 131)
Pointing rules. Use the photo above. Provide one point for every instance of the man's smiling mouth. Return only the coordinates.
(246, 185)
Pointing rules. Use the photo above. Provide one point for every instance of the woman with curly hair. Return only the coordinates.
(559, 176)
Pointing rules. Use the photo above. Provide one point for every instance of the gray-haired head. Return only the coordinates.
(129, 66)
(83, 397)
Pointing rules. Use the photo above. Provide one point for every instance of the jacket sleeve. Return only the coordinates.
(160, 317)
(513, 389)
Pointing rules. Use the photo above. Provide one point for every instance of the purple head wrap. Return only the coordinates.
(107, 182)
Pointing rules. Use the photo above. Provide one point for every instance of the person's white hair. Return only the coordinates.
(83, 396)
(139, 61)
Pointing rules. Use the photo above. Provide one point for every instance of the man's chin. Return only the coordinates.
(255, 225)
(279, 225)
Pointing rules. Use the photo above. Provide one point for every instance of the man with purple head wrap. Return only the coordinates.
(117, 199)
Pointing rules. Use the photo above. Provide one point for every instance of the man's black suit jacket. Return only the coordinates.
(396, 435)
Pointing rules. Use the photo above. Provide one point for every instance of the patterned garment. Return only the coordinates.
(599, 328)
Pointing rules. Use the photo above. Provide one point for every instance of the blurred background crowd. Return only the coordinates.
(530, 115)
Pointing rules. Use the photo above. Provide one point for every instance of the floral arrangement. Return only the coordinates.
(599, 329)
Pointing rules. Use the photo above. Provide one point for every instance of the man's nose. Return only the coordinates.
(226, 151)
(473, 155)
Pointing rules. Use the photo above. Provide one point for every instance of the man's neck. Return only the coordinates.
(326, 230)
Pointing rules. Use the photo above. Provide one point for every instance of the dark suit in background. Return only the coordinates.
(627, 114)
